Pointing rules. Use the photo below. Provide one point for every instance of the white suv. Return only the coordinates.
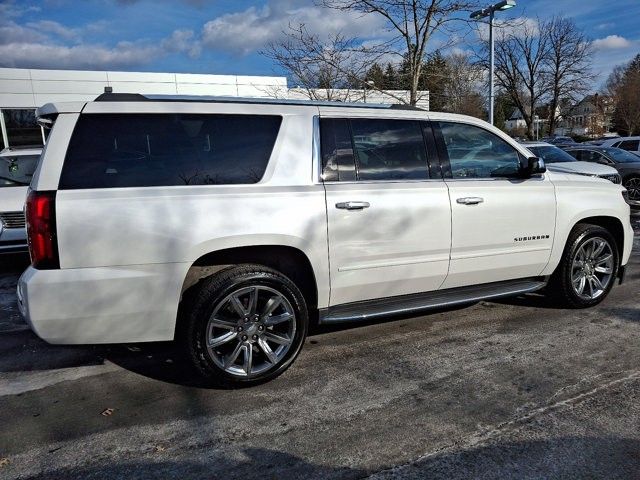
(229, 225)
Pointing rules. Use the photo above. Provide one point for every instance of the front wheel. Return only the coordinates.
(588, 268)
(246, 325)
(632, 184)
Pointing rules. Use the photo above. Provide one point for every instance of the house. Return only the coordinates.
(591, 116)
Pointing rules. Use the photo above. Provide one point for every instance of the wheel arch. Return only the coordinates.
(613, 225)
(288, 260)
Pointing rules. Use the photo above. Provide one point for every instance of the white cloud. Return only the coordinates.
(247, 31)
(49, 26)
(604, 26)
(611, 42)
(41, 55)
(182, 41)
(512, 27)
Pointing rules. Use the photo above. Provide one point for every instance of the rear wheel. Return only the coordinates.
(588, 267)
(245, 325)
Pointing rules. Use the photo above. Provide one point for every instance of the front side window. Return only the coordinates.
(629, 145)
(22, 128)
(476, 153)
(389, 149)
(135, 150)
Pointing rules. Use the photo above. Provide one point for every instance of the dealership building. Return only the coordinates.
(23, 90)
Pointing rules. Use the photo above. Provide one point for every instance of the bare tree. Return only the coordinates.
(461, 87)
(323, 68)
(566, 64)
(412, 24)
(520, 55)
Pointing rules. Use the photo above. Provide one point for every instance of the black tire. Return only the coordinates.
(210, 294)
(560, 286)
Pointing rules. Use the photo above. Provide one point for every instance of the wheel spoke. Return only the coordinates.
(237, 306)
(222, 339)
(233, 356)
(271, 356)
(605, 270)
(589, 282)
(253, 301)
(598, 247)
(581, 285)
(603, 259)
(277, 319)
(597, 283)
(271, 305)
(272, 337)
(220, 323)
(248, 359)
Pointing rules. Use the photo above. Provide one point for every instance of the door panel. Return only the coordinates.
(398, 245)
(508, 235)
(502, 225)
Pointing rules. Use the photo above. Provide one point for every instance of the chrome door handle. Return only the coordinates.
(470, 200)
(352, 205)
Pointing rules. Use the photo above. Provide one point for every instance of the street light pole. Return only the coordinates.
(491, 67)
(489, 12)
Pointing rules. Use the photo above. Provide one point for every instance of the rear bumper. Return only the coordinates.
(102, 305)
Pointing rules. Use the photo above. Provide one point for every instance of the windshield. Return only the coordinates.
(16, 171)
(621, 156)
(551, 154)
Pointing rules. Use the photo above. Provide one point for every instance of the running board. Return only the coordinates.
(405, 304)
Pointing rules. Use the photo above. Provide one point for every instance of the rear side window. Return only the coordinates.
(337, 150)
(372, 149)
(389, 149)
(629, 145)
(135, 150)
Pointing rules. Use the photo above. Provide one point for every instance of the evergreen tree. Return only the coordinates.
(376, 75)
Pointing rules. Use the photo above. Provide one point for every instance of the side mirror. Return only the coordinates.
(534, 166)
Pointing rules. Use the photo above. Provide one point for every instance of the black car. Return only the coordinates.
(627, 164)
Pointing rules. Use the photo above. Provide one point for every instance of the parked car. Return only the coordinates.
(558, 160)
(228, 224)
(627, 164)
(559, 140)
(599, 141)
(16, 169)
(630, 144)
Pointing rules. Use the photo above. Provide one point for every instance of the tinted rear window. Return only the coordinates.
(135, 150)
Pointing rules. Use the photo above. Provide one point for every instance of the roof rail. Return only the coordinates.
(136, 97)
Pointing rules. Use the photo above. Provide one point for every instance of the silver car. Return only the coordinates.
(16, 169)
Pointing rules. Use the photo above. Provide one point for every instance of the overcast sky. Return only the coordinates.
(224, 36)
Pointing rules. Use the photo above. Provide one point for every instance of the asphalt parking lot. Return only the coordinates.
(510, 389)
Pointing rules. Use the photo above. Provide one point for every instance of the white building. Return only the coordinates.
(23, 90)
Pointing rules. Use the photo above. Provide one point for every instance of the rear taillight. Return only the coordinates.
(41, 228)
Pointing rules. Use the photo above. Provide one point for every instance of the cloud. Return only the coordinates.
(611, 42)
(49, 26)
(604, 26)
(512, 27)
(41, 55)
(249, 30)
(182, 41)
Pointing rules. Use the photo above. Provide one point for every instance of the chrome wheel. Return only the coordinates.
(633, 187)
(592, 268)
(250, 331)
